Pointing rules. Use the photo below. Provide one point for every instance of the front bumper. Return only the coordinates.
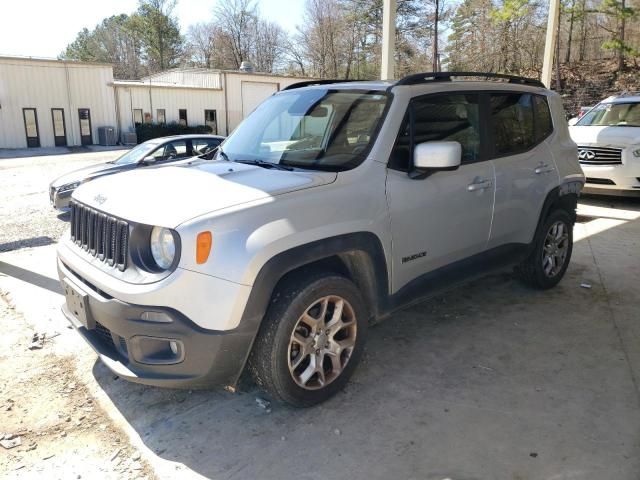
(132, 347)
(623, 179)
(59, 200)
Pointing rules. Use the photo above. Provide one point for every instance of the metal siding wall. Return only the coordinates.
(43, 85)
(90, 88)
(195, 101)
(234, 91)
(193, 79)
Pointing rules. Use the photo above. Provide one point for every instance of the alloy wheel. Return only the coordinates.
(555, 249)
(322, 342)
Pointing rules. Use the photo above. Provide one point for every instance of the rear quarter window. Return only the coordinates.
(512, 123)
(544, 123)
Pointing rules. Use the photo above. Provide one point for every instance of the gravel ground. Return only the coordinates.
(27, 218)
(50, 424)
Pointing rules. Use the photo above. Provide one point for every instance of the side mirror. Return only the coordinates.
(436, 156)
(149, 160)
(573, 121)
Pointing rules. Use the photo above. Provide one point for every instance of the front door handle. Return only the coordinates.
(479, 185)
(543, 168)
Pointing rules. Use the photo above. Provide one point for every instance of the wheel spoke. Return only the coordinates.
(336, 363)
(563, 238)
(302, 354)
(336, 318)
(321, 377)
(308, 372)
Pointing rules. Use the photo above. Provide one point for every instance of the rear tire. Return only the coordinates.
(553, 244)
(311, 340)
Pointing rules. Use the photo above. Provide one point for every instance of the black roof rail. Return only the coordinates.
(308, 83)
(418, 78)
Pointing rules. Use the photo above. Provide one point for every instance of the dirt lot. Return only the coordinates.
(491, 381)
(61, 430)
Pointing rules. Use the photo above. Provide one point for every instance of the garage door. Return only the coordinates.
(254, 93)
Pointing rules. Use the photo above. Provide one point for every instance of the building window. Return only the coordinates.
(137, 116)
(182, 115)
(161, 116)
(211, 119)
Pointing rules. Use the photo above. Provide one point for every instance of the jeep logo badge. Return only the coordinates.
(586, 154)
(100, 199)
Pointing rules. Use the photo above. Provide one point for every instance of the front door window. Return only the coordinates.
(59, 127)
(84, 116)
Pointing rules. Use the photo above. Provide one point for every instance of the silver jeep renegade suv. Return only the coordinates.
(331, 206)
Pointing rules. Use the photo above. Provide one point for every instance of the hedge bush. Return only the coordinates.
(147, 131)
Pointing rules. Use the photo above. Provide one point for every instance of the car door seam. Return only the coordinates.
(493, 202)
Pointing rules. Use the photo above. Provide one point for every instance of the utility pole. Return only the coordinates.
(436, 55)
(550, 44)
(388, 39)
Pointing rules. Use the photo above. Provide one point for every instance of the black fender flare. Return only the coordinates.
(557, 197)
(374, 276)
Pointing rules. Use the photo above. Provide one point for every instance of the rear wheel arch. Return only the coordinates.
(556, 200)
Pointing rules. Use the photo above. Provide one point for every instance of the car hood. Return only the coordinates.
(89, 173)
(172, 195)
(605, 136)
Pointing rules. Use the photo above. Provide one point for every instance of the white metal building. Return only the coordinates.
(50, 102)
(219, 98)
(45, 103)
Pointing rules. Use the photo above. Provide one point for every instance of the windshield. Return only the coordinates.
(613, 115)
(316, 128)
(136, 154)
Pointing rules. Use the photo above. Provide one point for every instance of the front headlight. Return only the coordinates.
(636, 153)
(163, 247)
(68, 186)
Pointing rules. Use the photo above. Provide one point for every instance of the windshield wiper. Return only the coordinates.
(223, 155)
(263, 164)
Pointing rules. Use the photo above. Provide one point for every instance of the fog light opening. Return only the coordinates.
(156, 351)
(158, 317)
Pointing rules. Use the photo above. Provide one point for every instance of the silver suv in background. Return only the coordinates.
(330, 207)
(608, 138)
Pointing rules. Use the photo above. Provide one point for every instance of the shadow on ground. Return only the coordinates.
(31, 242)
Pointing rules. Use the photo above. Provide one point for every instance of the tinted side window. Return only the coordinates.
(544, 124)
(204, 145)
(512, 122)
(443, 117)
(172, 150)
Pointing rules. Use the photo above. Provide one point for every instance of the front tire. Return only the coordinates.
(311, 340)
(547, 263)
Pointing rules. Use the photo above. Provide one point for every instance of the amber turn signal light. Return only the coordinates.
(203, 246)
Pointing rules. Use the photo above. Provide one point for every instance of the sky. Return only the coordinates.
(43, 28)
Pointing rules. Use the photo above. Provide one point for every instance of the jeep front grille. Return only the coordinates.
(599, 155)
(102, 235)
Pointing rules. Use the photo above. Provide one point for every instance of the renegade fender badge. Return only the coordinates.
(413, 257)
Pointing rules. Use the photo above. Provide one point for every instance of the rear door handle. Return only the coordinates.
(543, 168)
(479, 185)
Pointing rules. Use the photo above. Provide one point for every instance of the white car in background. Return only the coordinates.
(608, 138)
